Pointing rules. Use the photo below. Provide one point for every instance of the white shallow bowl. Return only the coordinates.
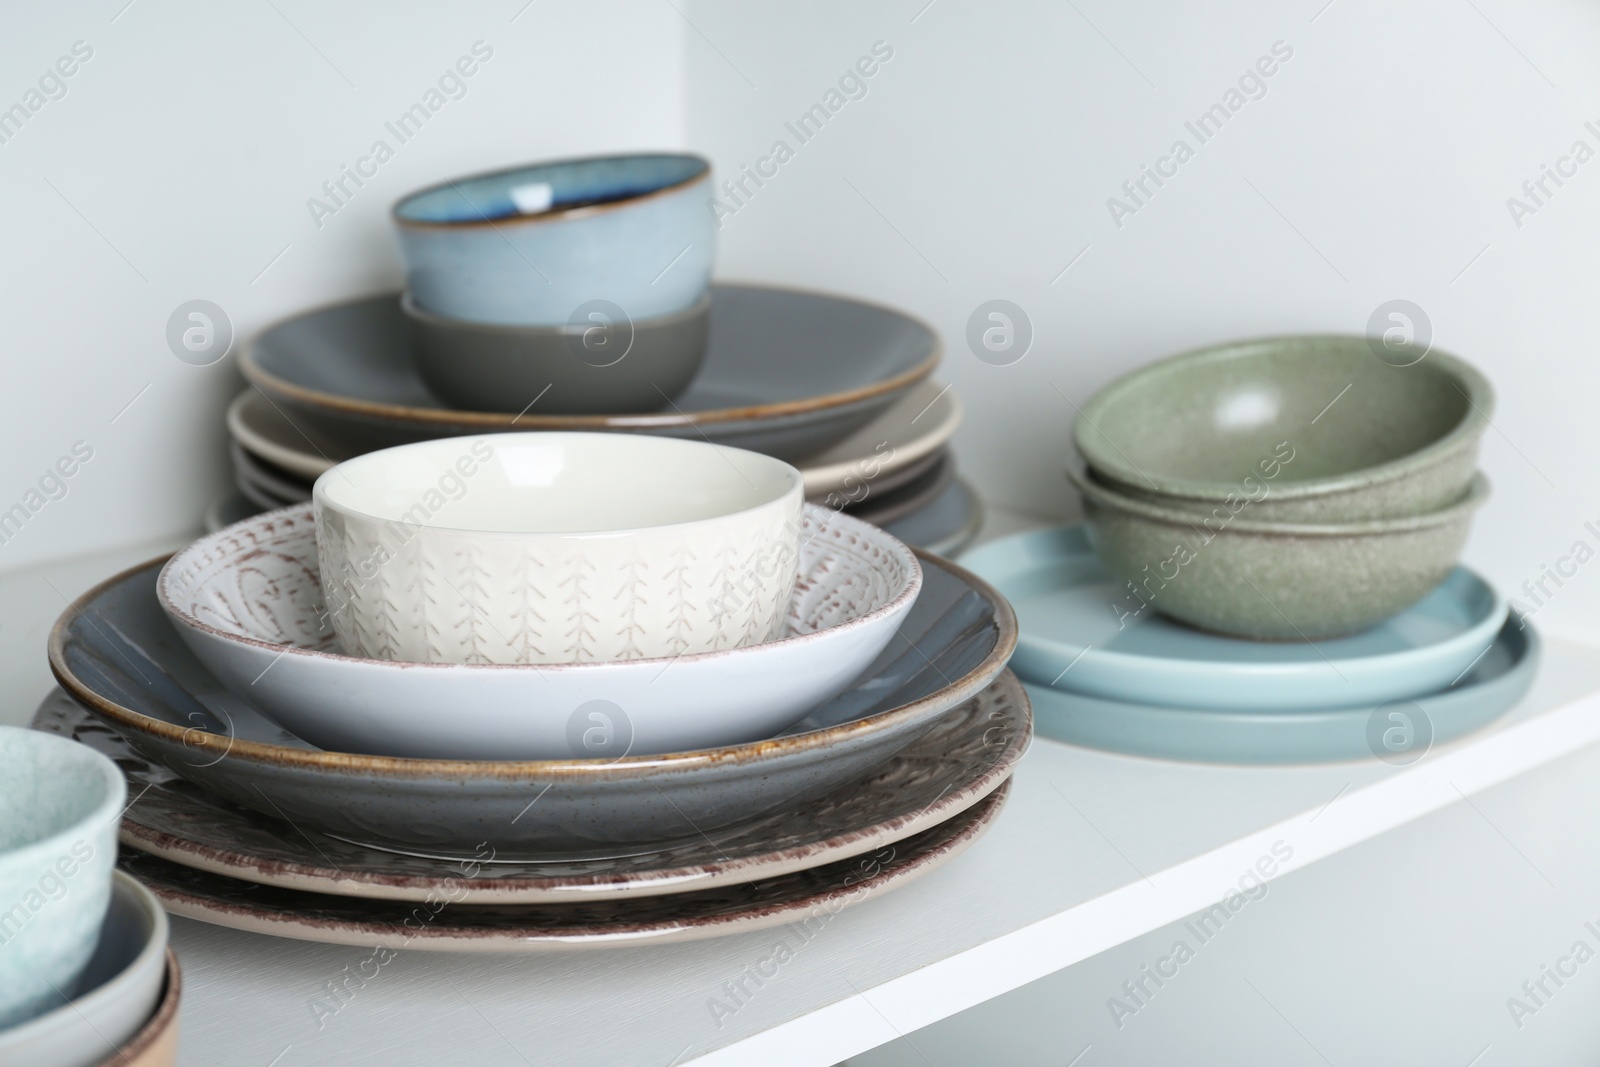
(60, 803)
(248, 601)
(556, 548)
(115, 996)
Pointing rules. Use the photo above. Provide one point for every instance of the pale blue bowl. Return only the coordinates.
(538, 245)
(60, 803)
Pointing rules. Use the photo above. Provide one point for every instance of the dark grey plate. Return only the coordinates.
(946, 525)
(117, 654)
(882, 507)
(965, 757)
(786, 373)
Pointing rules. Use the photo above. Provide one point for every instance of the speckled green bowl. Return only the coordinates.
(1271, 580)
(1307, 429)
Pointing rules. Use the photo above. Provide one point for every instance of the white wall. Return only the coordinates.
(178, 166)
(980, 161)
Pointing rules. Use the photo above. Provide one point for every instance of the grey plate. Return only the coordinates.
(963, 759)
(232, 508)
(602, 924)
(946, 525)
(117, 654)
(1499, 680)
(786, 373)
(883, 507)
(272, 482)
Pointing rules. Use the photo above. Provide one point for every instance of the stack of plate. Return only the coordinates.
(837, 387)
(1104, 673)
(239, 822)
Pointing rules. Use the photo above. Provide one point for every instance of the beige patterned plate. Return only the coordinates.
(808, 898)
(966, 756)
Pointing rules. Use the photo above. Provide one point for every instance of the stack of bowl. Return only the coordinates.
(1269, 562)
(86, 977)
(589, 278)
(604, 688)
(576, 296)
(1284, 489)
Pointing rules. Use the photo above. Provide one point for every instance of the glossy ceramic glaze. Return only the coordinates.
(946, 525)
(1274, 581)
(891, 449)
(114, 997)
(532, 245)
(786, 372)
(249, 604)
(884, 506)
(59, 804)
(1398, 731)
(1072, 635)
(911, 431)
(599, 366)
(1295, 429)
(115, 652)
(961, 760)
(399, 925)
(261, 475)
(156, 1042)
(546, 548)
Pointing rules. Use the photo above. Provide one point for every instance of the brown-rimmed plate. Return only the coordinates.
(813, 895)
(964, 758)
(899, 444)
(786, 372)
(115, 652)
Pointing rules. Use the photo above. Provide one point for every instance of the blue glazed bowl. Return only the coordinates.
(539, 245)
(60, 803)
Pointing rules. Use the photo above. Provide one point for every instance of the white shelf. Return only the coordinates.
(1094, 849)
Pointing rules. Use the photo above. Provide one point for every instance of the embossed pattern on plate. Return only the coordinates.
(960, 761)
(807, 898)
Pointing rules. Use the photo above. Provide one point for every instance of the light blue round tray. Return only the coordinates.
(1397, 732)
(1082, 632)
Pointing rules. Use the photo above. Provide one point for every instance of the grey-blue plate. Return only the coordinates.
(1398, 731)
(786, 372)
(1083, 632)
(944, 526)
(115, 652)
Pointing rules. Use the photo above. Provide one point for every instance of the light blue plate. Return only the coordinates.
(1081, 632)
(1398, 732)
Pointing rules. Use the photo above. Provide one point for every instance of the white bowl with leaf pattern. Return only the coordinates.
(546, 548)
(248, 601)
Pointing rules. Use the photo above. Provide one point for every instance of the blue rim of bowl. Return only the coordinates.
(701, 173)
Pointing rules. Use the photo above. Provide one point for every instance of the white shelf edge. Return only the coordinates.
(897, 1007)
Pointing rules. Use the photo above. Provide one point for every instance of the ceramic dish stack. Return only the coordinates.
(639, 719)
(838, 387)
(1268, 567)
(576, 296)
(86, 977)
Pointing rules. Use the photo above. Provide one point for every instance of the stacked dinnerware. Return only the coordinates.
(576, 296)
(524, 607)
(85, 973)
(1269, 561)
(590, 689)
